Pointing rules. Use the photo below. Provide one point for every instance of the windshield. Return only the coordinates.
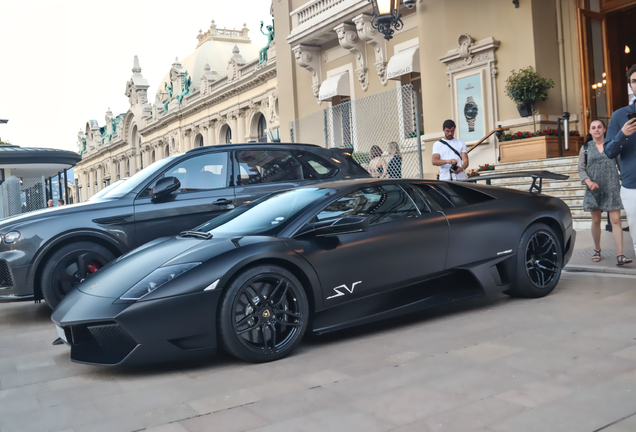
(134, 181)
(104, 191)
(266, 216)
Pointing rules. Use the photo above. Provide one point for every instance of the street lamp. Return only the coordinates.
(385, 16)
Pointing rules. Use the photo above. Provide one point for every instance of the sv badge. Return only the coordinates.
(339, 290)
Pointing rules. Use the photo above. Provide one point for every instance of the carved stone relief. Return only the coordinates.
(348, 39)
(308, 57)
(480, 57)
(367, 33)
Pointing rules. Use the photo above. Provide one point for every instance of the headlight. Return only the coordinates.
(155, 279)
(11, 237)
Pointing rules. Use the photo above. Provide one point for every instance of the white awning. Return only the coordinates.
(403, 63)
(337, 85)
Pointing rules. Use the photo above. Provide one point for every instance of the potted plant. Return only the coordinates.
(475, 172)
(525, 145)
(525, 88)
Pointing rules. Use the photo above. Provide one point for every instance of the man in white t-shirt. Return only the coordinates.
(446, 157)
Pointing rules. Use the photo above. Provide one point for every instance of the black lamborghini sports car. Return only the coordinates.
(317, 258)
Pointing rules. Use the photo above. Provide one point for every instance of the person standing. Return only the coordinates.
(621, 141)
(603, 192)
(377, 165)
(395, 164)
(49, 203)
(450, 154)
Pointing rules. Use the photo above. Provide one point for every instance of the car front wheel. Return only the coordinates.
(263, 314)
(70, 265)
(539, 262)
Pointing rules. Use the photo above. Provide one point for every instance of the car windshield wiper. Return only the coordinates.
(196, 234)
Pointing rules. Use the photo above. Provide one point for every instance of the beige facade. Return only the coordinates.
(230, 99)
(454, 39)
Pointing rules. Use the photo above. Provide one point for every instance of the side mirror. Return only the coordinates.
(166, 186)
(345, 225)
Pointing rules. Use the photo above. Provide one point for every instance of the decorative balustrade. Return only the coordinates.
(315, 8)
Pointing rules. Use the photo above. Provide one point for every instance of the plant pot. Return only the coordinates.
(525, 109)
(541, 147)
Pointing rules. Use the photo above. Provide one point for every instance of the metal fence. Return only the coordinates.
(21, 195)
(382, 129)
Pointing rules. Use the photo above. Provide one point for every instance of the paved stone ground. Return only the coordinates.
(584, 249)
(566, 362)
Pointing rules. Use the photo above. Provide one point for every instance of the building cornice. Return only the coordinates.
(219, 92)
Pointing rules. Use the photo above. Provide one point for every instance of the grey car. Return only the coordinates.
(45, 253)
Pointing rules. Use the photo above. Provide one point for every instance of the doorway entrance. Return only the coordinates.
(607, 38)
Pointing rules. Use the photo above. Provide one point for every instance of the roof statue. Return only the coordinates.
(262, 54)
(185, 89)
(82, 142)
(169, 90)
(114, 122)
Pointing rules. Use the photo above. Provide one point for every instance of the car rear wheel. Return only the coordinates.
(263, 314)
(539, 262)
(70, 265)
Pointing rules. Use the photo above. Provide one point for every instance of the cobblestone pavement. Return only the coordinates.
(584, 249)
(566, 362)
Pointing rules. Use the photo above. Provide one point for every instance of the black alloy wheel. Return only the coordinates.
(263, 314)
(539, 262)
(69, 266)
(542, 259)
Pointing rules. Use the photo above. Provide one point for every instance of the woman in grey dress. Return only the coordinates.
(600, 174)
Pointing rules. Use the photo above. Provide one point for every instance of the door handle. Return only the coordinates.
(222, 201)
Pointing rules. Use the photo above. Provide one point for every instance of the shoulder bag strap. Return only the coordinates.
(450, 147)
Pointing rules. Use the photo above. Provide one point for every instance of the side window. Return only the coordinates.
(199, 173)
(442, 194)
(379, 203)
(315, 167)
(418, 198)
(266, 166)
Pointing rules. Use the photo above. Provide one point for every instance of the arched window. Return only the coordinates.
(166, 151)
(200, 140)
(228, 135)
(141, 161)
(152, 157)
(127, 167)
(262, 125)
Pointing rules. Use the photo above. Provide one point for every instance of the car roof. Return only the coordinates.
(255, 146)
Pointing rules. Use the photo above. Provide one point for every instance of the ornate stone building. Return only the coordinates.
(456, 55)
(221, 93)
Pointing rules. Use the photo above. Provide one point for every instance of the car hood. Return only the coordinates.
(45, 213)
(118, 277)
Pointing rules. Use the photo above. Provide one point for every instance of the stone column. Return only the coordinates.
(133, 164)
(233, 123)
(187, 140)
(85, 182)
(100, 179)
(240, 119)
(211, 134)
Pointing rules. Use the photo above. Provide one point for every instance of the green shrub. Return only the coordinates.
(527, 86)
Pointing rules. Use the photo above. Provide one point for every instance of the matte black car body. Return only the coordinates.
(128, 221)
(392, 268)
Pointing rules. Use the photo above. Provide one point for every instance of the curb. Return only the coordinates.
(602, 269)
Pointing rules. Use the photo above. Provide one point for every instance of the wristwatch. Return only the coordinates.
(470, 111)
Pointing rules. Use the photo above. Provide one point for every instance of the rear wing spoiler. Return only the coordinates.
(535, 175)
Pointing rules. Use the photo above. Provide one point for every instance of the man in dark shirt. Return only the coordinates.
(621, 140)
